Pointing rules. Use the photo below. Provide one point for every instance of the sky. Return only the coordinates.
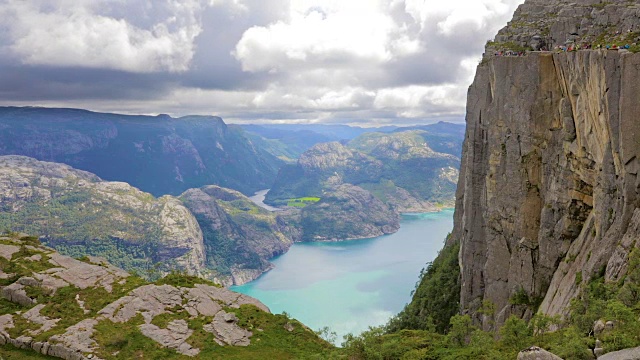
(359, 62)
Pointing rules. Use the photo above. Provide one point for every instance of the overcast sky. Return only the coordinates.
(333, 61)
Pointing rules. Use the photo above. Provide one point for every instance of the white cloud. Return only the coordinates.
(306, 60)
(318, 33)
(340, 46)
(73, 33)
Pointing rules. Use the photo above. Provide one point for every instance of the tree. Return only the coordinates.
(460, 330)
(540, 324)
(515, 333)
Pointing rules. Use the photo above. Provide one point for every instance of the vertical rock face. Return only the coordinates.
(548, 190)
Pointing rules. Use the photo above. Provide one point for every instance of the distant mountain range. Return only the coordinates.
(408, 170)
(289, 141)
(152, 194)
(157, 154)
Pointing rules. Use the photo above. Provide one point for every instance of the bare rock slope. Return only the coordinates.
(71, 309)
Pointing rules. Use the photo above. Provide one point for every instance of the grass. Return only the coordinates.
(178, 279)
(302, 201)
(10, 352)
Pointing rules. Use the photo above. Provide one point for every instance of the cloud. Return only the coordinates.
(377, 61)
(74, 33)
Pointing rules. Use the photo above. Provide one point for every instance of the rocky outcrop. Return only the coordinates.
(95, 308)
(626, 354)
(80, 214)
(547, 24)
(548, 193)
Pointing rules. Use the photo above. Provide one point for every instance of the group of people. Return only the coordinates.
(564, 48)
(589, 47)
(510, 53)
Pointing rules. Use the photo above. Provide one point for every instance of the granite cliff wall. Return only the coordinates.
(549, 193)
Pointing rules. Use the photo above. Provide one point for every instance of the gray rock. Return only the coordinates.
(626, 354)
(525, 175)
(7, 251)
(33, 315)
(78, 338)
(152, 300)
(225, 329)
(598, 327)
(609, 325)
(173, 337)
(16, 294)
(536, 353)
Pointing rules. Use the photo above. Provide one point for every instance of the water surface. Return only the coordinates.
(351, 285)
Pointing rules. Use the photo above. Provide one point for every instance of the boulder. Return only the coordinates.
(536, 353)
(626, 354)
(598, 327)
(224, 327)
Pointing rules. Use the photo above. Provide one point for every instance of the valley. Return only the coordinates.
(311, 223)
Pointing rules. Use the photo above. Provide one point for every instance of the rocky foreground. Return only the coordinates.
(88, 309)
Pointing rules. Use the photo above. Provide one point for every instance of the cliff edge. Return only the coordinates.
(548, 194)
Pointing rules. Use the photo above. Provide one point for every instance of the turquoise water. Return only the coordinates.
(351, 285)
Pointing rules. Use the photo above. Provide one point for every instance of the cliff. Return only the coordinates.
(548, 194)
(89, 309)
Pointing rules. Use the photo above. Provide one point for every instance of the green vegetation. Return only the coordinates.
(179, 279)
(618, 302)
(236, 231)
(436, 297)
(78, 223)
(302, 201)
(10, 352)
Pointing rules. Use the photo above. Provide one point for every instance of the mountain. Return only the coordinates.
(82, 309)
(400, 169)
(347, 212)
(239, 236)
(289, 141)
(157, 154)
(79, 214)
(212, 232)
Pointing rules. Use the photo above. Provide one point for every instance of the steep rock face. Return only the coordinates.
(80, 214)
(239, 236)
(158, 154)
(548, 186)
